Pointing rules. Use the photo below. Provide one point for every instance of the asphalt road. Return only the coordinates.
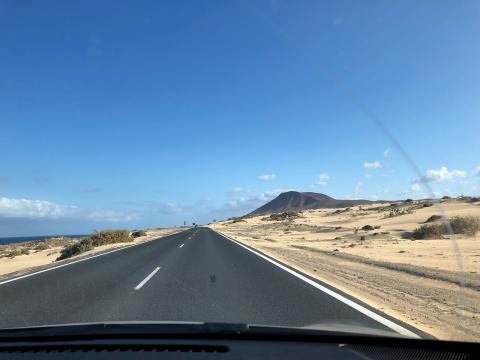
(196, 275)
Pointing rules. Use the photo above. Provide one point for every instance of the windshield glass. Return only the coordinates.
(288, 163)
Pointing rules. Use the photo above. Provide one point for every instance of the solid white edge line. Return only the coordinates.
(144, 281)
(388, 323)
(80, 260)
(181, 245)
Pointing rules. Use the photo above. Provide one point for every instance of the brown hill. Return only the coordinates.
(297, 201)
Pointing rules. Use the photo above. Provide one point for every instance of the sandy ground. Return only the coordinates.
(417, 281)
(39, 258)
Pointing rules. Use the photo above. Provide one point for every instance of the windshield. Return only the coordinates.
(283, 163)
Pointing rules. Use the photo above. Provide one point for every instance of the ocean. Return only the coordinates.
(18, 239)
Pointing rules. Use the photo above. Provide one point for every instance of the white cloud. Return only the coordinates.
(372, 165)
(267, 177)
(477, 171)
(386, 152)
(443, 174)
(323, 179)
(41, 209)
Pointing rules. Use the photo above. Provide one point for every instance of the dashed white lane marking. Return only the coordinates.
(79, 260)
(144, 281)
(181, 245)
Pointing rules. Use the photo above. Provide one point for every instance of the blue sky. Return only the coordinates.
(148, 113)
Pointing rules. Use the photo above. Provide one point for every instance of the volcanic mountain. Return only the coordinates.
(297, 201)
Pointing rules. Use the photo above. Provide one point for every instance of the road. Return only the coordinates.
(195, 275)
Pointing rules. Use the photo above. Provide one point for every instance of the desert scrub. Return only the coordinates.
(17, 252)
(467, 225)
(41, 246)
(367, 227)
(237, 220)
(75, 249)
(287, 215)
(138, 233)
(99, 238)
(434, 218)
(105, 237)
(429, 231)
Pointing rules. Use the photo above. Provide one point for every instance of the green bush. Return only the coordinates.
(99, 238)
(429, 231)
(138, 233)
(41, 246)
(287, 215)
(75, 249)
(434, 218)
(105, 237)
(467, 225)
(368, 227)
(13, 253)
(236, 220)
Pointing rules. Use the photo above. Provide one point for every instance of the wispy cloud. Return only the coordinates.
(477, 171)
(235, 191)
(267, 177)
(323, 179)
(41, 209)
(372, 165)
(367, 176)
(386, 152)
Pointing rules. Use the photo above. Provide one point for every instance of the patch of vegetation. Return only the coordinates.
(138, 233)
(429, 231)
(17, 252)
(434, 218)
(446, 198)
(75, 249)
(237, 220)
(99, 238)
(105, 237)
(340, 211)
(467, 225)
(287, 215)
(368, 227)
(409, 200)
(41, 246)
(427, 204)
(398, 212)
